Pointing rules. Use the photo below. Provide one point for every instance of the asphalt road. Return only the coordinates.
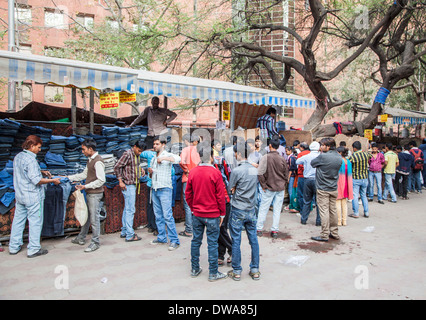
(382, 257)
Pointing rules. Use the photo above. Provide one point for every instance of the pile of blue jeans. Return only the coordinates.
(8, 130)
(57, 144)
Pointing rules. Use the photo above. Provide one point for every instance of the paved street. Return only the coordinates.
(382, 257)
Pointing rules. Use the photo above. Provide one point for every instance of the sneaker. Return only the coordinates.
(274, 234)
(92, 247)
(173, 246)
(196, 273)
(218, 276)
(381, 202)
(155, 242)
(40, 252)
(79, 241)
(259, 233)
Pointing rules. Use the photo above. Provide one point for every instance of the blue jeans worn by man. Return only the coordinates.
(389, 187)
(268, 197)
(34, 214)
(162, 202)
(238, 220)
(360, 191)
(372, 175)
(188, 212)
(414, 181)
(309, 191)
(212, 232)
(129, 211)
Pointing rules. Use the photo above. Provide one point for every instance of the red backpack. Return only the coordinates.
(418, 161)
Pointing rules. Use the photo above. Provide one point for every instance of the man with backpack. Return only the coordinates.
(418, 167)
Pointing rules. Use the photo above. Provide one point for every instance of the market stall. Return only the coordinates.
(77, 74)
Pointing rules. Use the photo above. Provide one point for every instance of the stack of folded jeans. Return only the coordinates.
(110, 132)
(45, 135)
(112, 146)
(55, 163)
(142, 130)
(8, 132)
(101, 142)
(109, 161)
(111, 181)
(72, 151)
(57, 144)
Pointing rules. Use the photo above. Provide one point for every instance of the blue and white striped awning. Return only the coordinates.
(407, 117)
(64, 72)
(408, 120)
(289, 100)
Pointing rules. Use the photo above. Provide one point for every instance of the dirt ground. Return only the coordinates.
(382, 257)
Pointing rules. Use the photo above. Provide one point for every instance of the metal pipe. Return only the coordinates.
(11, 97)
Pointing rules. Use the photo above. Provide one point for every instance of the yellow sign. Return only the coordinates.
(127, 97)
(110, 100)
(226, 110)
(382, 118)
(368, 133)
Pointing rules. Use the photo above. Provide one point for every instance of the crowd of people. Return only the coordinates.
(226, 191)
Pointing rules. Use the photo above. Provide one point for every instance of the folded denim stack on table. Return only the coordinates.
(72, 150)
(110, 132)
(8, 132)
(45, 136)
(57, 144)
(111, 181)
(101, 142)
(109, 161)
(55, 162)
(142, 130)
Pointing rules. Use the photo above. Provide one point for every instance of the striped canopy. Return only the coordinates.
(64, 72)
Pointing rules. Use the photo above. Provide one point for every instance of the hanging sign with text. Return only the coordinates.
(110, 100)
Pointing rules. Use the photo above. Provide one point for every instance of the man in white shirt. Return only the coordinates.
(94, 174)
(162, 190)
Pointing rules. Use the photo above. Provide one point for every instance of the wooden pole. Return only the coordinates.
(74, 110)
(92, 111)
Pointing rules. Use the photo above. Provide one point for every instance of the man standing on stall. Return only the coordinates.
(157, 118)
(128, 172)
(94, 174)
(29, 197)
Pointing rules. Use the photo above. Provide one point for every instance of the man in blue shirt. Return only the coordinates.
(29, 195)
(266, 124)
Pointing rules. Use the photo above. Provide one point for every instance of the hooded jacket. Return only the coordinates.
(406, 162)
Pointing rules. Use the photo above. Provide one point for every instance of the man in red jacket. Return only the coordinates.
(205, 196)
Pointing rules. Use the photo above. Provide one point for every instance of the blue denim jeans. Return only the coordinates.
(238, 220)
(212, 231)
(389, 187)
(414, 181)
(162, 202)
(128, 211)
(360, 190)
(268, 197)
(371, 177)
(188, 212)
(300, 184)
(309, 192)
(34, 214)
(290, 186)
